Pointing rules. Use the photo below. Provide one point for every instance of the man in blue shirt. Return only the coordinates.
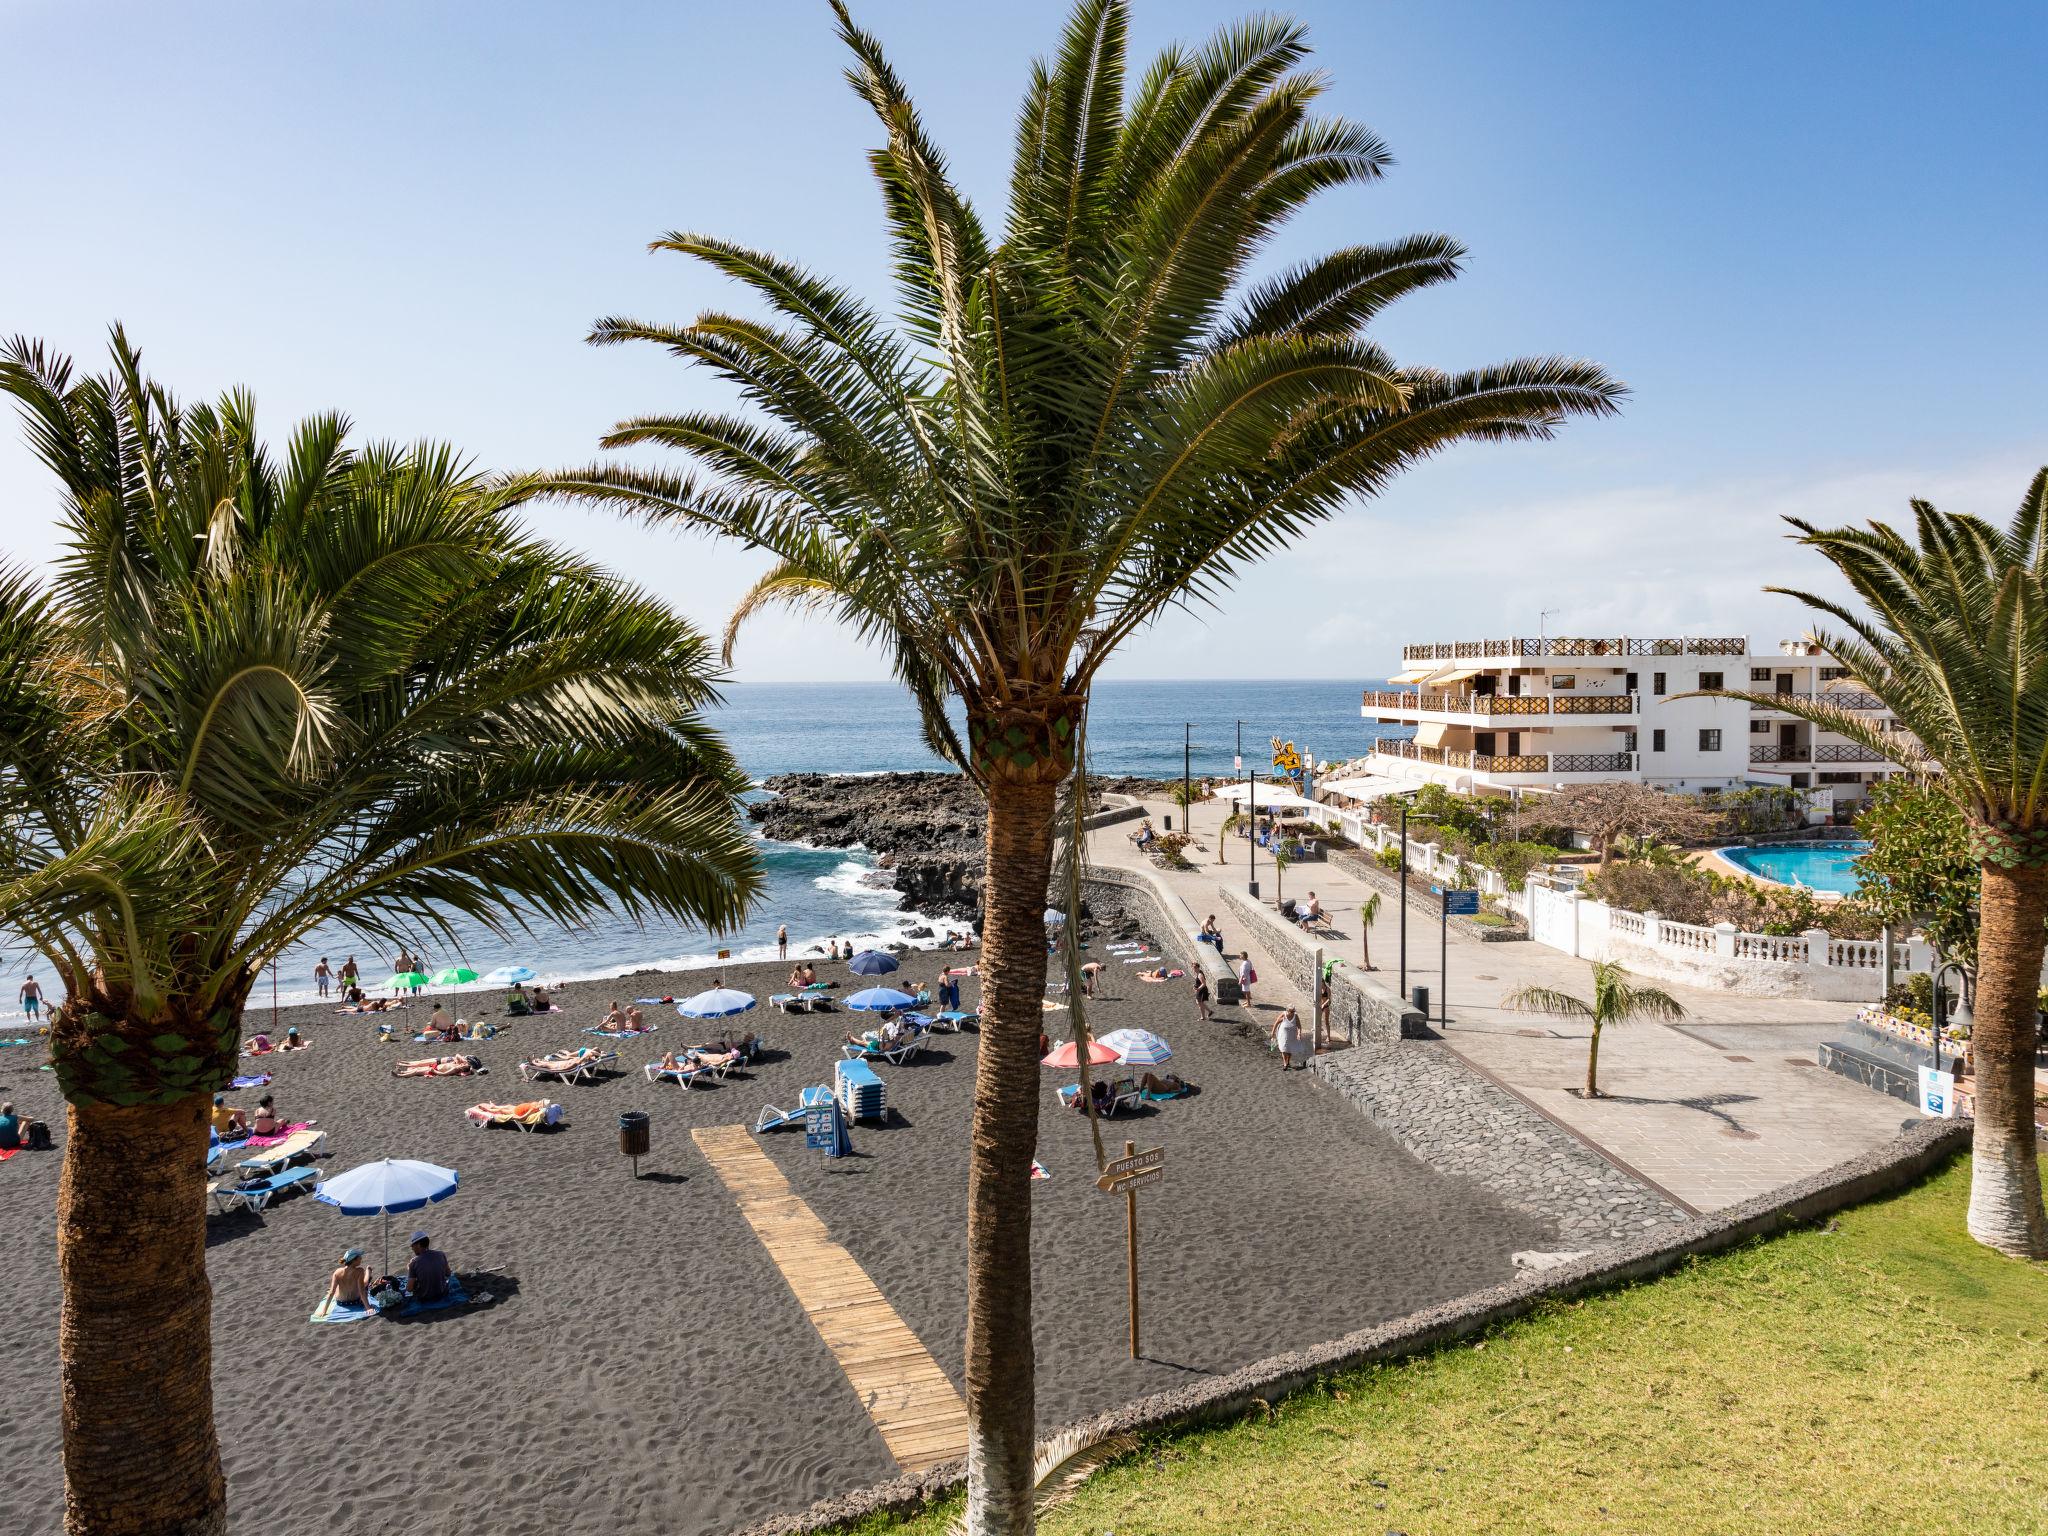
(427, 1276)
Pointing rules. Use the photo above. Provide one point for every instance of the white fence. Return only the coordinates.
(1423, 858)
(1809, 964)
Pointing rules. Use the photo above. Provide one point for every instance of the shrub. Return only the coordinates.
(1389, 859)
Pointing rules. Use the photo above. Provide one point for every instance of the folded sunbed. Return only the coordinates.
(773, 1119)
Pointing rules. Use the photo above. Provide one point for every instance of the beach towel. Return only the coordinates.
(1038, 1171)
(261, 1080)
(7, 1152)
(1169, 976)
(292, 1128)
(1047, 1005)
(621, 1034)
(339, 1312)
(653, 1002)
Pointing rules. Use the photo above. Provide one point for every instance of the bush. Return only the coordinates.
(1916, 991)
(1171, 851)
(1389, 859)
(1686, 893)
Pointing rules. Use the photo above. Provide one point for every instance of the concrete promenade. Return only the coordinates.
(1723, 1106)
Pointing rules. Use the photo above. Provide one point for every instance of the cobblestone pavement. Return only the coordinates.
(1708, 1129)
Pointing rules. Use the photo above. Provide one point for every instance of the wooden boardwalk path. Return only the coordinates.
(913, 1402)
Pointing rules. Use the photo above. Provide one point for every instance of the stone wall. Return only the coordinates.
(1362, 1011)
(1464, 1125)
(1657, 1251)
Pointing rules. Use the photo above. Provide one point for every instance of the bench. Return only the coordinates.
(1221, 973)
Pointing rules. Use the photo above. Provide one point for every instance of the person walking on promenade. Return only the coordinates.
(1287, 1038)
(1247, 977)
(1201, 995)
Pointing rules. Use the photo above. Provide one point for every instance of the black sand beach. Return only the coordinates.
(643, 1365)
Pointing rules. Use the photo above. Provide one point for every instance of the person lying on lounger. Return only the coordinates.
(671, 1062)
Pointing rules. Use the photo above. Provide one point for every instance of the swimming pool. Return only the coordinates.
(1822, 866)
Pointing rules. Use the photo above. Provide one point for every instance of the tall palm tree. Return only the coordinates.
(1955, 642)
(1616, 1000)
(1068, 429)
(260, 693)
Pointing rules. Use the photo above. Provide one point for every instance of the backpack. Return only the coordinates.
(38, 1136)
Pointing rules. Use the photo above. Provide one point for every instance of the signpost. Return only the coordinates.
(1123, 1175)
(825, 1129)
(1455, 904)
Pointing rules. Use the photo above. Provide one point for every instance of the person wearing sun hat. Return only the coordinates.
(350, 1285)
(426, 1274)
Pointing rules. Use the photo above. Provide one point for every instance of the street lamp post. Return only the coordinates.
(1187, 795)
(1940, 1009)
(1401, 897)
(1237, 762)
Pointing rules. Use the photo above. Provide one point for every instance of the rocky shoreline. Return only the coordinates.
(926, 828)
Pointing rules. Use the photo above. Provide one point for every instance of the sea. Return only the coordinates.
(1151, 729)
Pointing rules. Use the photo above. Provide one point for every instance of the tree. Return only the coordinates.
(1231, 822)
(1918, 868)
(1070, 429)
(1606, 812)
(261, 692)
(1283, 855)
(1955, 643)
(1615, 1001)
(1368, 914)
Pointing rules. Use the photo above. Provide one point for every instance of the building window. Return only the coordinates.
(1657, 737)
(1759, 674)
(1710, 680)
(1563, 682)
(1710, 741)
(1829, 674)
(1657, 683)
(1759, 727)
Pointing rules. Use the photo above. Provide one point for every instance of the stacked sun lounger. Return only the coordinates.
(860, 1092)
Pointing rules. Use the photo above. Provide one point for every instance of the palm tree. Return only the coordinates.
(1955, 643)
(1615, 1001)
(1069, 429)
(261, 692)
(1368, 914)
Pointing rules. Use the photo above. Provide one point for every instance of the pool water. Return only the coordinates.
(1822, 866)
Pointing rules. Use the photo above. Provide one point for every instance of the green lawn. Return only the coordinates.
(1883, 1375)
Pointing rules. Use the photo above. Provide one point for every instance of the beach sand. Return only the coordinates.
(643, 1365)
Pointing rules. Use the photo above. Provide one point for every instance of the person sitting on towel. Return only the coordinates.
(438, 1023)
(426, 1274)
(15, 1131)
(634, 1017)
(542, 1003)
(266, 1121)
(348, 1286)
(517, 1003)
(292, 1040)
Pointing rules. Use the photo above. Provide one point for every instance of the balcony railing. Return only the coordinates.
(1827, 752)
(1501, 704)
(1500, 762)
(1841, 698)
(1571, 645)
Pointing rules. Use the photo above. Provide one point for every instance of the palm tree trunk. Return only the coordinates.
(2005, 1182)
(136, 1338)
(1000, 1368)
(1593, 1063)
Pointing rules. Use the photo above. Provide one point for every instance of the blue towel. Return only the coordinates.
(251, 1082)
(340, 1312)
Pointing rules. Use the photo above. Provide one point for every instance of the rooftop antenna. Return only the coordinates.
(1543, 628)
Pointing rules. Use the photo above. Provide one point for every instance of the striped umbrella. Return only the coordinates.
(1137, 1047)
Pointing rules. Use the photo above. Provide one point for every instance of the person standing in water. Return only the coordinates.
(323, 976)
(31, 997)
(782, 941)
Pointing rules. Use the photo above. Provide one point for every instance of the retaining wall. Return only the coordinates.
(1361, 1009)
(1878, 1172)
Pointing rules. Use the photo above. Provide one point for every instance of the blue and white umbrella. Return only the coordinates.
(506, 975)
(1054, 917)
(872, 962)
(1137, 1047)
(718, 1003)
(378, 1189)
(881, 1000)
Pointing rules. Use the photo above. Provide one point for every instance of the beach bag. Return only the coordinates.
(38, 1139)
(1251, 976)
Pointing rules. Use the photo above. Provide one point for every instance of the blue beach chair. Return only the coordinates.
(773, 1119)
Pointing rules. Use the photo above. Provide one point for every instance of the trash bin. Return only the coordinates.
(634, 1137)
(1418, 999)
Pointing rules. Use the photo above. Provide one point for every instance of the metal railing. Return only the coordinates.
(1593, 703)
(1516, 704)
(1827, 752)
(1520, 762)
(1575, 645)
(1592, 762)
(1841, 698)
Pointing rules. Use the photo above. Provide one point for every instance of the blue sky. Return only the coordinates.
(1811, 238)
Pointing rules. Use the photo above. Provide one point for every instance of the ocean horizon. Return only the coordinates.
(1135, 728)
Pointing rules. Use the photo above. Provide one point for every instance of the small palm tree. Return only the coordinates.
(1283, 856)
(1073, 424)
(1955, 642)
(1231, 823)
(1368, 914)
(1615, 1001)
(263, 692)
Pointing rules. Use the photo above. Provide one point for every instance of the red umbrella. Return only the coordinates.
(1064, 1055)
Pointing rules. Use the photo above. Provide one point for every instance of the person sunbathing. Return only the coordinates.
(259, 1046)
(634, 1019)
(266, 1121)
(436, 1066)
(511, 1111)
(670, 1062)
(700, 1058)
(542, 1003)
(438, 1023)
(348, 1286)
(615, 1017)
(292, 1041)
(1166, 1087)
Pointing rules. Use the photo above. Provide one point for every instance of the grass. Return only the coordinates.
(1881, 1374)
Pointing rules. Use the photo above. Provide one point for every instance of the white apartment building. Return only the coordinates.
(1539, 713)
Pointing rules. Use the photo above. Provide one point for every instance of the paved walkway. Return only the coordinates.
(1712, 1110)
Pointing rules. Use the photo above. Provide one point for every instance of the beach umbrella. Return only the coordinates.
(1137, 1047)
(1064, 1055)
(401, 980)
(1054, 917)
(506, 975)
(392, 1184)
(872, 962)
(881, 1000)
(715, 1004)
(454, 976)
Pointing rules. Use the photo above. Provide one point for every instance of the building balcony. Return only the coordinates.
(1826, 752)
(1526, 647)
(1841, 698)
(1542, 765)
(1495, 706)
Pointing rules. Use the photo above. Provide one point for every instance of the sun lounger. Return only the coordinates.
(876, 1050)
(255, 1194)
(791, 1002)
(526, 1116)
(1121, 1096)
(689, 1069)
(306, 1144)
(862, 1094)
(575, 1066)
(773, 1119)
(954, 1020)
